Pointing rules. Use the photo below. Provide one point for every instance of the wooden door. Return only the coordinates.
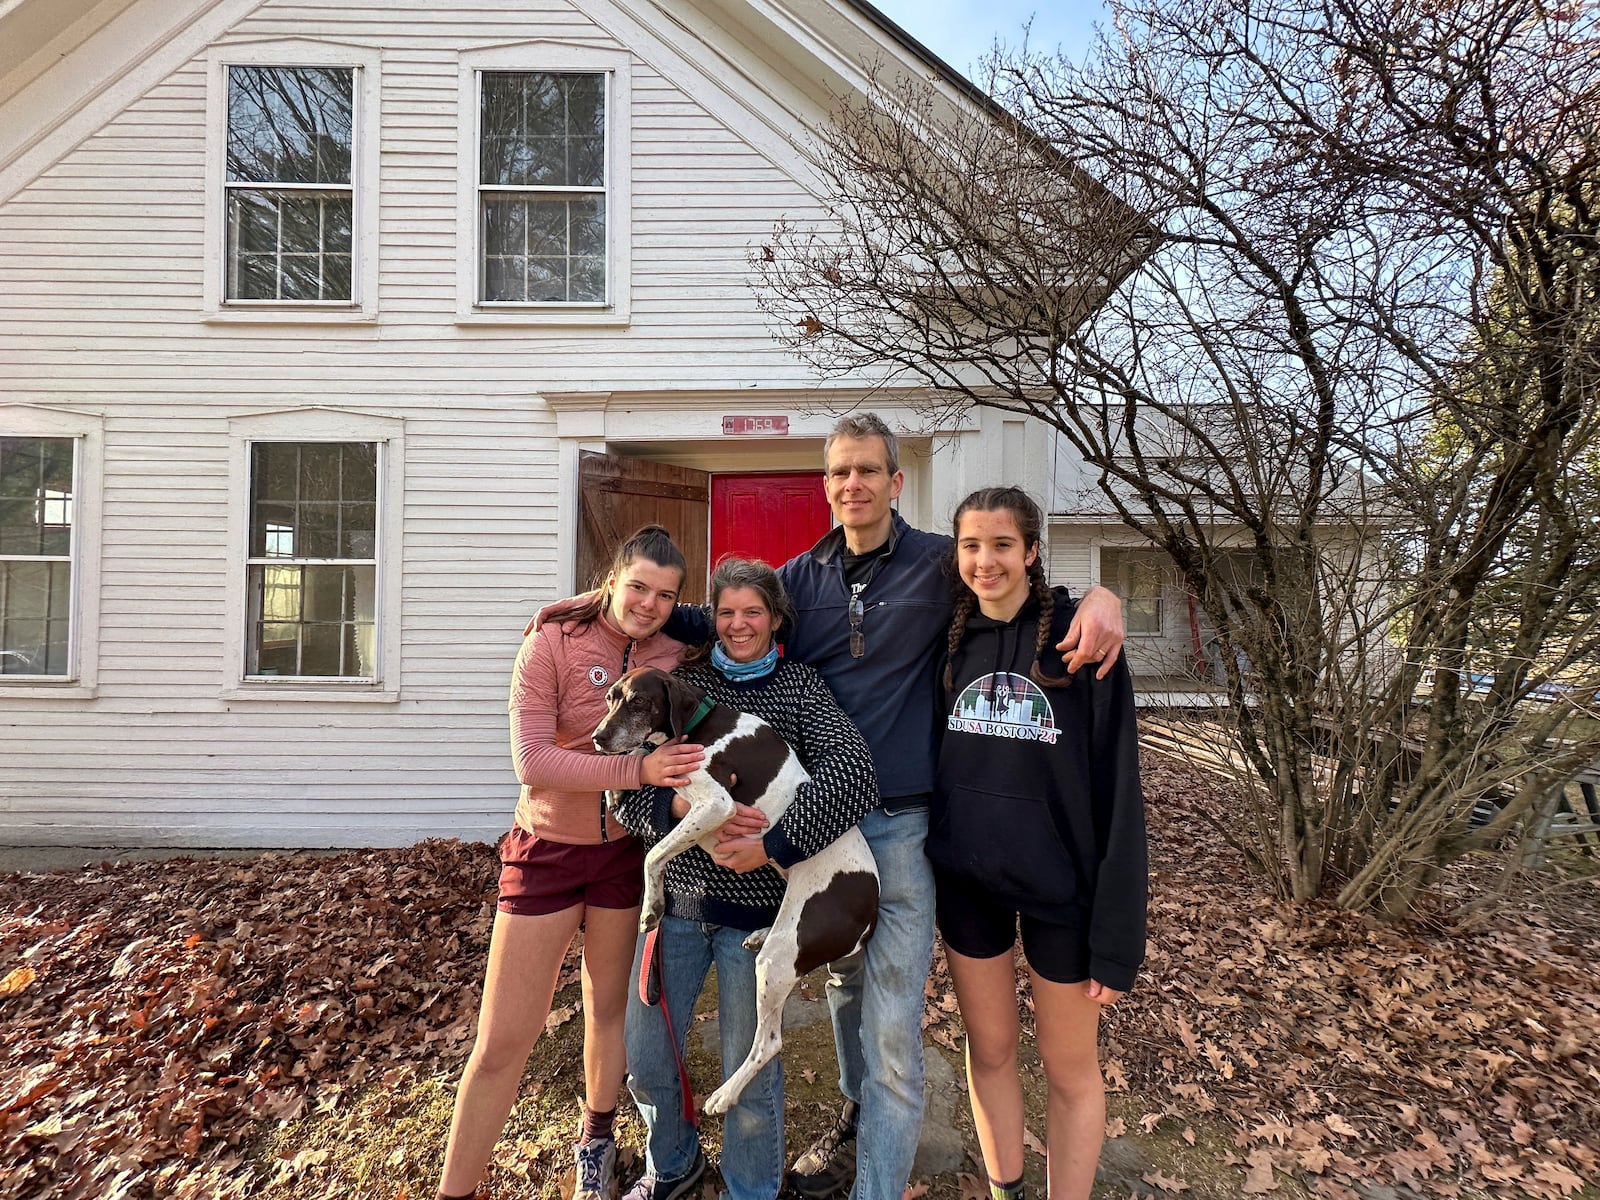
(617, 495)
(771, 516)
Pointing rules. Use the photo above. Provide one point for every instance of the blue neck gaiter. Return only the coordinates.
(738, 671)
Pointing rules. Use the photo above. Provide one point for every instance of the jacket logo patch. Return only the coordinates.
(1006, 706)
(599, 676)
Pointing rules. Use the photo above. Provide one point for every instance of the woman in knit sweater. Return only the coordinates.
(566, 863)
(715, 901)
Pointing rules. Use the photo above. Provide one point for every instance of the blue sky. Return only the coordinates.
(962, 31)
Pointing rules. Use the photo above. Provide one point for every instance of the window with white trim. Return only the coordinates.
(1142, 578)
(38, 544)
(312, 568)
(543, 189)
(289, 183)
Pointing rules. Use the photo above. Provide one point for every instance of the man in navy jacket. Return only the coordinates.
(874, 611)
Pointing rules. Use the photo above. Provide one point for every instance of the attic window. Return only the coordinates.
(290, 197)
(542, 187)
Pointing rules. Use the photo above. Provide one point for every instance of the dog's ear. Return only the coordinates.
(682, 700)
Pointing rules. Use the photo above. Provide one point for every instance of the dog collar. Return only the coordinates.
(706, 705)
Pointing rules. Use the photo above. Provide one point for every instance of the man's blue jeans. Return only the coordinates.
(876, 1001)
(752, 1133)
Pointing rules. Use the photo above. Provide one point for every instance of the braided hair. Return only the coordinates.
(1030, 524)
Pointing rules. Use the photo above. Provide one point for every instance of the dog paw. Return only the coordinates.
(718, 1102)
(648, 921)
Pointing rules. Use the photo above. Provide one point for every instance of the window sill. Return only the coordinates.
(600, 318)
(279, 316)
(38, 689)
(310, 692)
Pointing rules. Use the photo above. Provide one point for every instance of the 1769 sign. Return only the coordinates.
(755, 426)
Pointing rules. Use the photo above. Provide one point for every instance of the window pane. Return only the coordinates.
(253, 277)
(36, 495)
(542, 129)
(336, 277)
(565, 245)
(586, 219)
(548, 227)
(289, 246)
(505, 225)
(505, 277)
(275, 471)
(35, 617)
(587, 159)
(313, 621)
(587, 282)
(313, 500)
(253, 222)
(1142, 577)
(547, 279)
(319, 531)
(319, 470)
(290, 124)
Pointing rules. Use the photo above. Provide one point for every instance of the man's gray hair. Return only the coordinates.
(864, 425)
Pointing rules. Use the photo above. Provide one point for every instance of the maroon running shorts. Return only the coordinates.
(538, 877)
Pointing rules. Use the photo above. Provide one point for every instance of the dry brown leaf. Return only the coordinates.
(1259, 1179)
(1558, 1176)
(1274, 1130)
(560, 1016)
(1337, 1124)
(17, 981)
(1157, 1179)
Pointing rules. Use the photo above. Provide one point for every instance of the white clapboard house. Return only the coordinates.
(336, 337)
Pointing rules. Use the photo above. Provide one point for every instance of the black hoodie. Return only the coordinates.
(1037, 799)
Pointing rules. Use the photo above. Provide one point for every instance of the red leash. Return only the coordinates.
(653, 993)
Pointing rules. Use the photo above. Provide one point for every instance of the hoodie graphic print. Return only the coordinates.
(1004, 705)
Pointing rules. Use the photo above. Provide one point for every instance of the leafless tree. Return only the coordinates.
(1315, 289)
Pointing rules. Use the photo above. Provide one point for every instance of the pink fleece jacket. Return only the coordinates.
(558, 696)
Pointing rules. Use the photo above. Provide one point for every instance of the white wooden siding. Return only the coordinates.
(101, 267)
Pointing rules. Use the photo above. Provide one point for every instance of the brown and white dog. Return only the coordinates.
(831, 904)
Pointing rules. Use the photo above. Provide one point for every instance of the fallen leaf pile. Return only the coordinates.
(159, 1016)
(1345, 1051)
(161, 1019)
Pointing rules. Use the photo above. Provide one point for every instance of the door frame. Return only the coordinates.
(685, 429)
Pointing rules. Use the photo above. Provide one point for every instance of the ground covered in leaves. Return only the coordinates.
(184, 1028)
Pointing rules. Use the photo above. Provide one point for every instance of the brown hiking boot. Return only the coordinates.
(828, 1167)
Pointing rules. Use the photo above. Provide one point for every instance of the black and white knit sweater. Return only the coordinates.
(794, 701)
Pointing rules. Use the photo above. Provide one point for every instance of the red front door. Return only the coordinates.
(772, 517)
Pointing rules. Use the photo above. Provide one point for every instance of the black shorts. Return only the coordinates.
(976, 924)
(539, 877)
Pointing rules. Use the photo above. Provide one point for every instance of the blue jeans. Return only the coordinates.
(752, 1133)
(876, 1001)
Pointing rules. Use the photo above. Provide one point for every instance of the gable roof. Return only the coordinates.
(68, 66)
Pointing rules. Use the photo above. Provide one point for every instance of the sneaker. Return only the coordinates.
(597, 1170)
(651, 1188)
(828, 1168)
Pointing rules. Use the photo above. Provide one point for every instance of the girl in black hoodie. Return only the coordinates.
(1037, 817)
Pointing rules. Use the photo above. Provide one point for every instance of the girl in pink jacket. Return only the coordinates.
(566, 861)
